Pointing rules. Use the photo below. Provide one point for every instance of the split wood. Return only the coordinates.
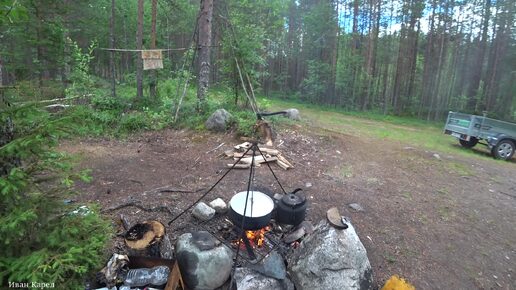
(271, 155)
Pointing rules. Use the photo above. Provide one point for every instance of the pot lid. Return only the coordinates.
(258, 204)
(293, 199)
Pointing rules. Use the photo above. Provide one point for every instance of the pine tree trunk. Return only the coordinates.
(139, 45)
(112, 53)
(1, 72)
(154, 73)
(6, 136)
(204, 43)
(477, 72)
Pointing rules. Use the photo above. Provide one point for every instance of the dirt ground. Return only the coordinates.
(445, 222)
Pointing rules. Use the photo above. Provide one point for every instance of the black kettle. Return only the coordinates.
(291, 208)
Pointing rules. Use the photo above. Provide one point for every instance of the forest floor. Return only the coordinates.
(442, 221)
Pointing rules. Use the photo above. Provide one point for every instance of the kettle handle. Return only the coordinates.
(296, 190)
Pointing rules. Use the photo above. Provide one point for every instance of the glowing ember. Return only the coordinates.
(256, 238)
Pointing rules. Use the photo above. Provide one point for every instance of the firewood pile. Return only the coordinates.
(271, 156)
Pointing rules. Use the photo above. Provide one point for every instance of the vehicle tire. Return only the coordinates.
(469, 144)
(504, 150)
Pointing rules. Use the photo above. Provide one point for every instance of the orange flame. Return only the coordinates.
(256, 238)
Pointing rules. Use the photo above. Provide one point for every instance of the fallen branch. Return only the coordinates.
(137, 204)
(220, 145)
(46, 101)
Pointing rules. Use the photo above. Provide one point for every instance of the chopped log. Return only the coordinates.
(240, 165)
(257, 159)
(282, 165)
(245, 145)
(270, 151)
(269, 159)
(143, 239)
(229, 153)
(284, 160)
(240, 154)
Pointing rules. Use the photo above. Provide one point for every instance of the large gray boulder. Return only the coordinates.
(205, 263)
(218, 121)
(331, 258)
(293, 114)
(247, 279)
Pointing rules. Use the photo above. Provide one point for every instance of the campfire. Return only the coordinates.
(256, 238)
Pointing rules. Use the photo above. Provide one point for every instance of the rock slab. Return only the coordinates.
(271, 266)
(356, 206)
(203, 212)
(248, 279)
(218, 121)
(203, 269)
(330, 258)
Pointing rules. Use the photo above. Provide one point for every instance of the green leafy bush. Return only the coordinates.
(244, 122)
(42, 238)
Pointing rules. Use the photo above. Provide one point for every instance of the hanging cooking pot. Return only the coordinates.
(257, 213)
(291, 209)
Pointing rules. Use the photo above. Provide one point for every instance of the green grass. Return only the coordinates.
(406, 130)
(459, 168)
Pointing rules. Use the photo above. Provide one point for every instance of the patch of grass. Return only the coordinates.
(372, 180)
(423, 219)
(443, 191)
(445, 213)
(407, 195)
(346, 171)
(390, 258)
(459, 168)
(407, 252)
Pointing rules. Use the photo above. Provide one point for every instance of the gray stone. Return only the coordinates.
(307, 226)
(308, 184)
(356, 206)
(293, 114)
(219, 205)
(271, 266)
(436, 156)
(330, 258)
(203, 212)
(247, 279)
(202, 269)
(218, 121)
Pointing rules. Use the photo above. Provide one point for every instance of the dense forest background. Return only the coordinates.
(417, 58)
